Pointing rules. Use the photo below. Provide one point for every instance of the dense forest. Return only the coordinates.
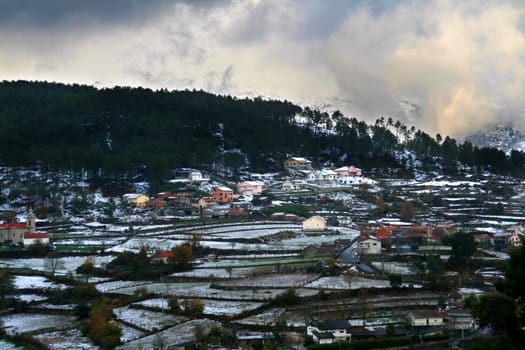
(123, 130)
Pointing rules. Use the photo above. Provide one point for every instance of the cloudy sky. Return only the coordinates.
(442, 65)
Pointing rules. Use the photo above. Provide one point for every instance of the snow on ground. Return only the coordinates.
(273, 280)
(23, 323)
(204, 291)
(449, 183)
(35, 282)
(393, 267)
(147, 320)
(177, 335)
(470, 291)
(65, 265)
(29, 298)
(156, 288)
(216, 273)
(263, 319)
(129, 333)
(257, 262)
(340, 282)
(111, 286)
(211, 307)
(500, 255)
(66, 340)
(70, 307)
(243, 228)
(135, 244)
(5, 345)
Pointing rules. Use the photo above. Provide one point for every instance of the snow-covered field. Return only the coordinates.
(353, 282)
(216, 273)
(262, 319)
(35, 282)
(393, 267)
(23, 323)
(63, 265)
(66, 340)
(211, 307)
(204, 291)
(177, 335)
(273, 280)
(145, 319)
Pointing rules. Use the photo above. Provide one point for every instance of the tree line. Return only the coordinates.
(125, 131)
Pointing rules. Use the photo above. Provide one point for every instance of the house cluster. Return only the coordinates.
(221, 202)
(224, 201)
(417, 322)
(303, 174)
(22, 233)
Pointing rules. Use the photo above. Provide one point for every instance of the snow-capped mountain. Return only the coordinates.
(501, 136)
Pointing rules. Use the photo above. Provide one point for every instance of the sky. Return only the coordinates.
(444, 66)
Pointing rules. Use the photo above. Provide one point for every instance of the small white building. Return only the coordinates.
(460, 319)
(315, 223)
(425, 318)
(295, 185)
(195, 176)
(371, 245)
(323, 175)
(250, 187)
(329, 331)
(31, 238)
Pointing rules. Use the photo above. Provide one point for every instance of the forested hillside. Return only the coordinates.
(121, 130)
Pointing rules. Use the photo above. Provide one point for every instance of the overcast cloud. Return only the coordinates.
(443, 66)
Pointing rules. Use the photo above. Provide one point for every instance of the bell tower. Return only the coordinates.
(31, 221)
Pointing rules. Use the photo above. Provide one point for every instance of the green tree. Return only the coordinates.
(514, 283)
(395, 281)
(6, 287)
(463, 247)
(173, 304)
(497, 310)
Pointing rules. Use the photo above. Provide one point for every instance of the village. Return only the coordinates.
(311, 255)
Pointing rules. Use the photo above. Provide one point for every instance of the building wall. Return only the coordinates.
(222, 196)
(315, 223)
(12, 235)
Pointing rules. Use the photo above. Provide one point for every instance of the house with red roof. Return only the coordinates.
(223, 194)
(31, 238)
(22, 233)
(163, 257)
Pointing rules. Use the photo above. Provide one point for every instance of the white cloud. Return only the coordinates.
(445, 66)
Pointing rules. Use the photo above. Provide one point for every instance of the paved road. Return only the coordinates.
(352, 255)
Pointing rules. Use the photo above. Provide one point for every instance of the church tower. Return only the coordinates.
(31, 221)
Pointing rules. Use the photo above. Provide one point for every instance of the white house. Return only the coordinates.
(460, 319)
(314, 223)
(250, 187)
(195, 176)
(329, 331)
(425, 318)
(348, 171)
(295, 185)
(323, 175)
(371, 245)
(31, 238)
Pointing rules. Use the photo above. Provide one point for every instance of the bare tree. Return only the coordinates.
(52, 263)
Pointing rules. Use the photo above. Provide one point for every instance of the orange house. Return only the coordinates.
(223, 194)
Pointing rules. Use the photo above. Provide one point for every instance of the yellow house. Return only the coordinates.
(295, 162)
(136, 199)
(314, 223)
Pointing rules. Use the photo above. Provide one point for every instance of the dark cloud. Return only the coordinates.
(50, 15)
